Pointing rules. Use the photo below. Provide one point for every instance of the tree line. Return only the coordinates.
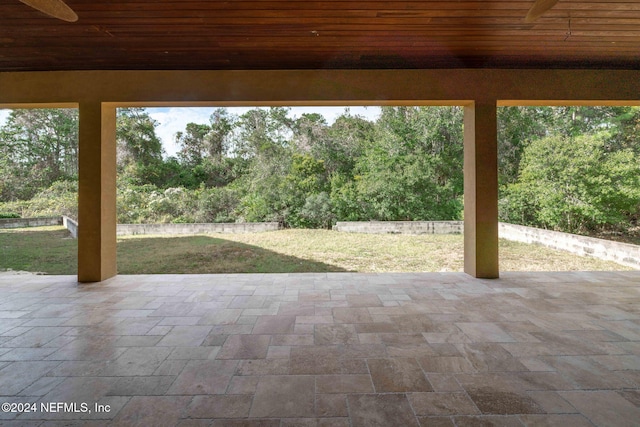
(575, 169)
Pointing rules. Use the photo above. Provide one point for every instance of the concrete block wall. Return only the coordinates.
(30, 222)
(401, 227)
(622, 253)
(71, 225)
(240, 227)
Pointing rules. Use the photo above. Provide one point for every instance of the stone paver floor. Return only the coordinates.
(335, 349)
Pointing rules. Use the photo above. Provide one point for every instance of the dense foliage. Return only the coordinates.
(37, 148)
(575, 169)
(574, 184)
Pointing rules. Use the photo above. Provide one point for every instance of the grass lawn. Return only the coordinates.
(50, 250)
(39, 249)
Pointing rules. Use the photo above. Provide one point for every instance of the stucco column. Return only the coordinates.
(97, 193)
(481, 190)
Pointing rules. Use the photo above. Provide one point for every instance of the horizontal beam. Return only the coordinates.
(322, 87)
(565, 103)
(41, 105)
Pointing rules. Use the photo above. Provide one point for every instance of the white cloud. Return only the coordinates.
(4, 115)
(175, 119)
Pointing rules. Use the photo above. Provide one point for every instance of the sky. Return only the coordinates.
(175, 119)
(3, 116)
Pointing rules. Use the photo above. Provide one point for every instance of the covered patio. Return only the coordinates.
(329, 349)
(318, 349)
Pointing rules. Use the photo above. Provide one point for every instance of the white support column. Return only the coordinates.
(481, 190)
(97, 193)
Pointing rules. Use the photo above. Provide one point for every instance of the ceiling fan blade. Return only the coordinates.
(55, 8)
(538, 8)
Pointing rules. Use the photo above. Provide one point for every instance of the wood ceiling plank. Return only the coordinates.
(305, 34)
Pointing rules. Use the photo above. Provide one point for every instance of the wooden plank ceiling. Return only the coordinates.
(304, 34)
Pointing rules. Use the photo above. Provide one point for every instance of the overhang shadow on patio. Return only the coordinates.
(205, 255)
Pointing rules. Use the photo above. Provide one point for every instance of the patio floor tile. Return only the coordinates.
(397, 375)
(326, 349)
(381, 410)
(284, 397)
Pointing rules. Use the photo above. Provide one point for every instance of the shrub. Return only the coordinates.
(61, 198)
(9, 215)
(574, 185)
(318, 211)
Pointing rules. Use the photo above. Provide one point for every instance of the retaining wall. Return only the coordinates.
(71, 225)
(30, 222)
(401, 227)
(238, 227)
(622, 253)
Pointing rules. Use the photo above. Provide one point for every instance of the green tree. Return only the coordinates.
(263, 140)
(136, 138)
(574, 185)
(579, 120)
(307, 177)
(262, 132)
(193, 143)
(405, 187)
(222, 125)
(139, 150)
(309, 132)
(347, 139)
(517, 127)
(39, 146)
(318, 211)
(626, 134)
(413, 168)
(206, 142)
